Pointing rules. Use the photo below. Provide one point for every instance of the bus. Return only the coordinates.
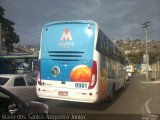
(78, 62)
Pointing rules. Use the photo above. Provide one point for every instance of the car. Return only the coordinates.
(10, 104)
(128, 76)
(21, 85)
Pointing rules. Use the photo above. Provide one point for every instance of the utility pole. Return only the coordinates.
(145, 27)
(0, 38)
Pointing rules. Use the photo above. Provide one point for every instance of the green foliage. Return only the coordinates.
(153, 56)
(137, 58)
(9, 36)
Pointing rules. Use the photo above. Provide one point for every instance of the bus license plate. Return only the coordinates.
(63, 93)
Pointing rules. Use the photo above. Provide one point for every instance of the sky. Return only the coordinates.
(119, 19)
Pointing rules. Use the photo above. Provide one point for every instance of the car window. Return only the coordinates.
(19, 82)
(30, 81)
(3, 80)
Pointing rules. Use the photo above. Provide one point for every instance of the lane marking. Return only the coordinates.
(146, 105)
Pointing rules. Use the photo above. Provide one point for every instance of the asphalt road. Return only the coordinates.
(135, 101)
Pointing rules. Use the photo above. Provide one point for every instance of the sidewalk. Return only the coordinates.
(141, 78)
(154, 80)
(151, 81)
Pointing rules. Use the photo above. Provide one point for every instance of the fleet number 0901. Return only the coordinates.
(80, 85)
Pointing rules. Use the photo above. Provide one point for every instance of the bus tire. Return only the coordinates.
(111, 96)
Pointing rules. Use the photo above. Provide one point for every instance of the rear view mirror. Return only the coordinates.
(12, 108)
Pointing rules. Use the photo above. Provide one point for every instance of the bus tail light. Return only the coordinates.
(94, 75)
(38, 75)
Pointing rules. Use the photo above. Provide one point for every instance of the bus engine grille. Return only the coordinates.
(65, 55)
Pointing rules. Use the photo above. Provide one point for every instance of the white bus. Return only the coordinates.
(78, 62)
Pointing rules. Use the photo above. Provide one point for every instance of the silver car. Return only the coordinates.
(11, 104)
(22, 86)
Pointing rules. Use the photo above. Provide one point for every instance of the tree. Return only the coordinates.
(152, 57)
(137, 58)
(9, 35)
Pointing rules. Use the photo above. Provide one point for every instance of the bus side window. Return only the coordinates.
(98, 44)
(110, 70)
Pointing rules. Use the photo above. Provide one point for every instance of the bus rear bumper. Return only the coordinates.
(87, 96)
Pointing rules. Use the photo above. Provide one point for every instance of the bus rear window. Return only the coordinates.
(68, 37)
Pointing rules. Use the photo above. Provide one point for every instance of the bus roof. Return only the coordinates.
(67, 22)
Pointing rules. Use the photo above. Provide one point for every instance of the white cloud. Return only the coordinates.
(83, 9)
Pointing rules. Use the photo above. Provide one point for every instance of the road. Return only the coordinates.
(138, 98)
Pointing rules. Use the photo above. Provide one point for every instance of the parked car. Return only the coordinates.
(11, 104)
(22, 86)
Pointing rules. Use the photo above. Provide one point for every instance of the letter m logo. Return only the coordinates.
(66, 35)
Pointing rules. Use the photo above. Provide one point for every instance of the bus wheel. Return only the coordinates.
(124, 84)
(111, 96)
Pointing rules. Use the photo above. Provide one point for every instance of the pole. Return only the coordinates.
(145, 26)
(147, 61)
(0, 38)
(158, 71)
